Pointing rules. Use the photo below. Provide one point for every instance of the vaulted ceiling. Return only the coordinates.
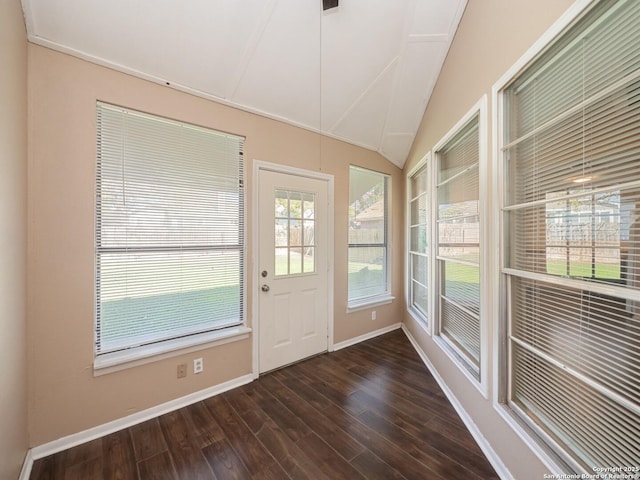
(362, 72)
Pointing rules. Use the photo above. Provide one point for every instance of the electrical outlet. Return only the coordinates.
(198, 365)
(374, 315)
(182, 370)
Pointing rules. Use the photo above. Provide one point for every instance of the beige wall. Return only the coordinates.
(13, 175)
(64, 396)
(492, 36)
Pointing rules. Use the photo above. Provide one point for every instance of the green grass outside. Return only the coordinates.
(150, 313)
(469, 274)
(295, 266)
(583, 269)
(457, 272)
(365, 278)
(134, 317)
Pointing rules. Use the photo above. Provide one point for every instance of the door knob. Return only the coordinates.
(265, 288)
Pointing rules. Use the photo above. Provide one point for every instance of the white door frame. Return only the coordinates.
(258, 166)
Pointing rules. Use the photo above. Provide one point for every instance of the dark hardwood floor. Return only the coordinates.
(369, 411)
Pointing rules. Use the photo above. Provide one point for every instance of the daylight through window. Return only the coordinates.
(368, 235)
(571, 152)
(169, 230)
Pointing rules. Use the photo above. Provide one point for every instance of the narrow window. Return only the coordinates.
(368, 237)
(418, 234)
(458, 244)
(169, 231)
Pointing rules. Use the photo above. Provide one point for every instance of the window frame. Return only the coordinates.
(545, 448)
(481, 381)
(384, 297)
(113, 361)
(425, 165)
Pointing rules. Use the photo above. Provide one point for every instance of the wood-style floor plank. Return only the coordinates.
(394, 455)
(158, 467)
(148, 440)
(188, 460)
(224, 461)
(372, 468)
(252, 452)
(88, 470)
(371, 411)
(118, 458)
(44, 468)
(204, 429)
(317, 421)
(287, 453)
(327, 459)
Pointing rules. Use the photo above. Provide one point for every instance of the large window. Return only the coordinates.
(418, 194)
(368, 237)
(458, 243)
(169, 231)
(571, 152)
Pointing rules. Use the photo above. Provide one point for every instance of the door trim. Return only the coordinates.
(260, 166)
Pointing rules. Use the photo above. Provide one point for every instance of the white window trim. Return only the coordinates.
(424, 322)
(385, 297)
(499, 296)
(133, 357)
(370, 302)
(480, 109)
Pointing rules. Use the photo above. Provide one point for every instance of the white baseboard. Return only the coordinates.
(25, 473)
(484, 445)
(110, 427)
(366, 336)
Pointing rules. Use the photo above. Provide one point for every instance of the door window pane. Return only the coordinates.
(294, 232)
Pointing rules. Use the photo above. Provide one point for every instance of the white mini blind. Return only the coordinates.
(572, 211)
(169, 229)
(459, 243)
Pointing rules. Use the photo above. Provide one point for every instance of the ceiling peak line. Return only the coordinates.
(402, 57)
(392, 156)
(375, 61)
(364, 93)
(428, 38)
(252, 46)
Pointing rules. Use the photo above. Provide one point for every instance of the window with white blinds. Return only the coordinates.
(169, 230)
(571, 151)
(458, 243)
(368, 236)
(418, 194)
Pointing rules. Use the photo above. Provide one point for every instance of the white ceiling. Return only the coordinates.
(362, 72)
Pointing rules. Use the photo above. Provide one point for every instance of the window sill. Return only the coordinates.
(420, 319)
(114, 362)
(464, 365)
(369, 302)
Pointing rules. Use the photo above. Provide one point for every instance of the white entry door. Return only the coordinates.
(293, 268)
